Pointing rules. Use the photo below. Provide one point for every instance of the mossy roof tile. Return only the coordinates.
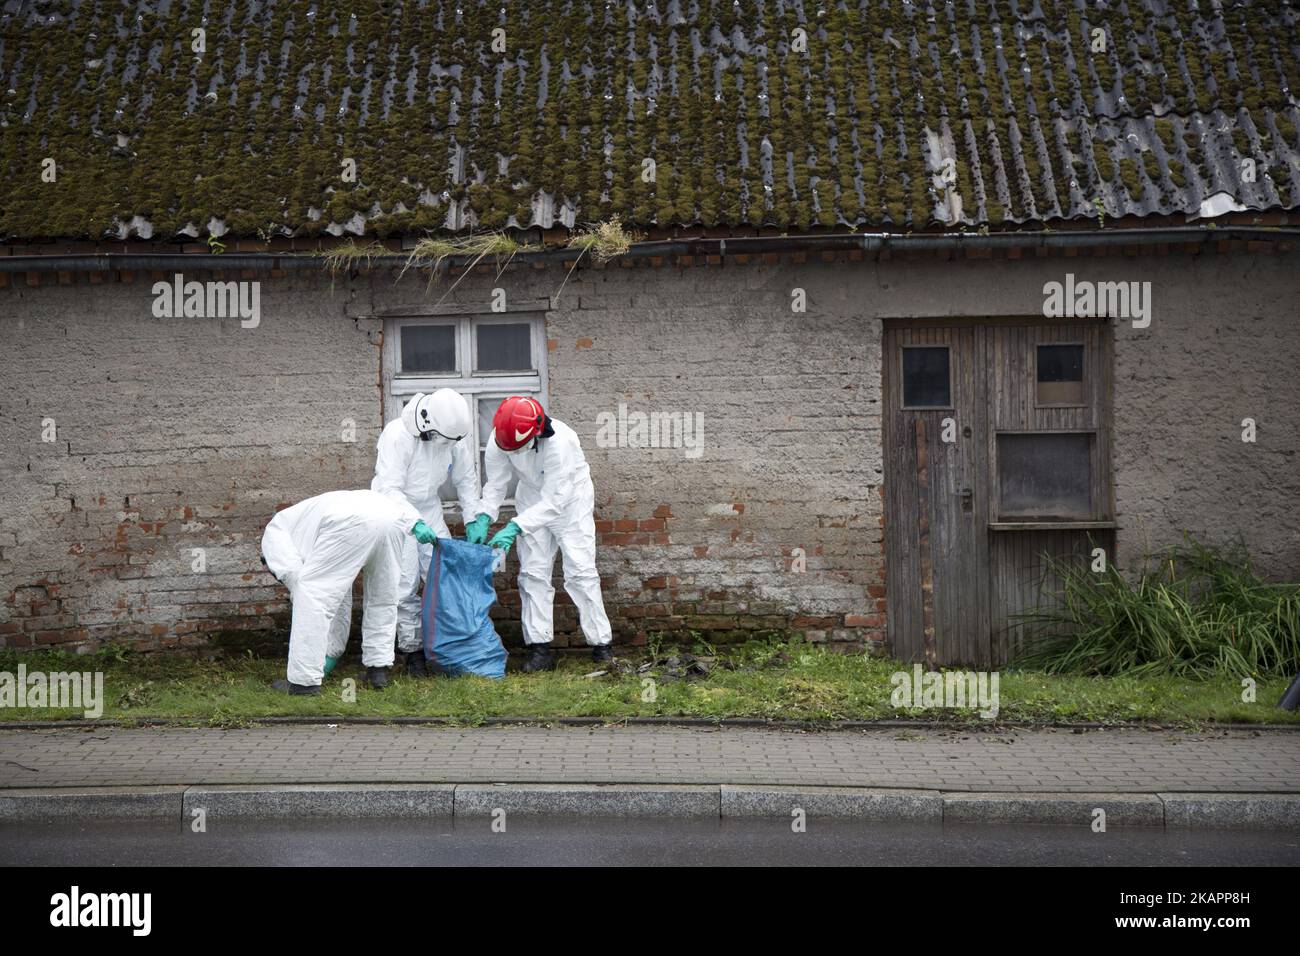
(896, 114)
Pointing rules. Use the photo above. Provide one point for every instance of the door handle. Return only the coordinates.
(967, 499)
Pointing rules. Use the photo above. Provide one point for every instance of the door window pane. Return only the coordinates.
(926, 382)
(1045, 476)
(1060, 375)
(428, 348)
(505, 347)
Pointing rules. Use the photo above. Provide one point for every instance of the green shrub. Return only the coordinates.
(1198, 612)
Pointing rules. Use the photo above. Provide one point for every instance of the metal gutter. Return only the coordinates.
(869, 243)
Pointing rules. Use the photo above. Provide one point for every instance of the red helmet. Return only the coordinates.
(517, 422)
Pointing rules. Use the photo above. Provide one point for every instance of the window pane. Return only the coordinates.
(505, 347)
(1060, 375)
(487, 407)
(1045, 476)
(428, 348)
(925, 378)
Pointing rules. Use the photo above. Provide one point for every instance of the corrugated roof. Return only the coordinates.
(897, 114)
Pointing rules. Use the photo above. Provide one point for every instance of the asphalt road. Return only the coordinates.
(636, 842)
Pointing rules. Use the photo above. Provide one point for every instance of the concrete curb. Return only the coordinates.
(1232, 811)
(868, 805)
(1274, 811)
(587, 800)
(1121, 809)
(126, 803)
(351, 800)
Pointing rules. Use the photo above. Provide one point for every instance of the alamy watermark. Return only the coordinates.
(78, 690)
(1083, 299)
(75, 908)
(208, 300)
(665, 429)
(923, 690)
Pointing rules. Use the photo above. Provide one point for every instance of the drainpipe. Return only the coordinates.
(867, 243)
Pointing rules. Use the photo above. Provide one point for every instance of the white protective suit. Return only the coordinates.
(554, 500)
(411, 470)
(317, 548)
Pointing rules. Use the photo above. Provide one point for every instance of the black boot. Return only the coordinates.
(541, 658)
(377, 677)
(602, 653)
(296, 690)
(417, 665)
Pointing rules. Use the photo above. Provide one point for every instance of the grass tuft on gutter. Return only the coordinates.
(777, 681)
(349, 255)
(605, 240)
(432, 250)
(430, 253)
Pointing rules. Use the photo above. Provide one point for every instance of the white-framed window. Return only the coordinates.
(485, 358)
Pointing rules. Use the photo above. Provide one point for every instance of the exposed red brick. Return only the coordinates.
(862, 620)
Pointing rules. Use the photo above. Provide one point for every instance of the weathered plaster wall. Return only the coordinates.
(172, 434)
(176, 434)
(1224, 346)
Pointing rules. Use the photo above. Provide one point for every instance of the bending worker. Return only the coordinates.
(417, 453)
(554, 501)
(316, 548)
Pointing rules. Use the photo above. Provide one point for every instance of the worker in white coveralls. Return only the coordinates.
(554, 500)
(317, 548)
(417, 453)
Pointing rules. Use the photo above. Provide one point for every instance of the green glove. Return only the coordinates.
(504, 538)
(330, 662)
(476, 530)
(423, 533)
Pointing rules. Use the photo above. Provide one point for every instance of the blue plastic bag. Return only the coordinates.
(458, 634)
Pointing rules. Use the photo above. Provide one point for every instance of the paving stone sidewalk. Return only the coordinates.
(1118, 761)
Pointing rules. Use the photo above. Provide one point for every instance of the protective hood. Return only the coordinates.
(408, 415)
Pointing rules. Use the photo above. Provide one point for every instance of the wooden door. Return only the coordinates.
(1007, 463)
(935, 518)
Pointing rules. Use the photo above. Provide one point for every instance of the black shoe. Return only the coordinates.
(602, 653)
(296, 690)
(417, 665)
(377, 677)
(542, 658)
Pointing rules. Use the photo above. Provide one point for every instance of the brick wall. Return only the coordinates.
(175, 434)
(172, 434)
(775, 525)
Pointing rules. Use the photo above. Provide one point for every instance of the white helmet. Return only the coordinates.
(444, 413)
